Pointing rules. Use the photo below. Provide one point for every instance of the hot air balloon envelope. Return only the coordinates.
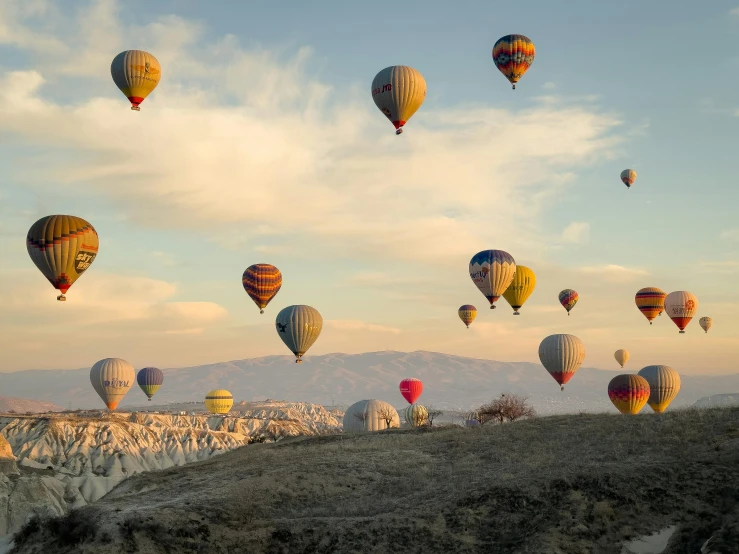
(411, 388)
(262, 282)
(150, 379)
(492, 272)
(137, 74)
(112, 378)
(521, 287)
(629, 393)
(299, 327)
(398, 92)
(513, 55)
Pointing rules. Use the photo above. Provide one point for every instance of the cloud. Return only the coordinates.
(730, 234)
(353, 325)
(734, 11)
(614, 273)
(577, 232)
(250, 143)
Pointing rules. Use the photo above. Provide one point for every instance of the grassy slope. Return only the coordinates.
(564, 484)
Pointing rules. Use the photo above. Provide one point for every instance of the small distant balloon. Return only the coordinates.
(137, 74)
(150, 379)
(416, 415)
(299, 327)
(411, 389)
(513, 56)
(628, 176)
(261, 282)
(629, 393)
(622, 356)
(681, 306)
(706, 323)
(63, 247)
(112, 378)
(467, 314)
(398, 92)
(219, 401)
(651, 302)
(568, 298)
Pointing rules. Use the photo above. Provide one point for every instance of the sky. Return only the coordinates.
(262, 144)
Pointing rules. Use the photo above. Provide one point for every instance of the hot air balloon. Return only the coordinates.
(706, 323)
(568, 298)
(629, 393)
(651, 302)
(416, 415)
(681, 306)
(664, 384)
(398, 91)
(370, 415)
(467, 314)
(622, 356)
(62, 247)
(411, 388)
(262, 282)
(219, 401)
(523, 284)
(150, 379)
(111, 378)
(561, 356)
(299, 327)
(628, 176)
(492, 271)
(513, 55)
(137, 74)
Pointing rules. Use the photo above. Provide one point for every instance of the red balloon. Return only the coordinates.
(411, 389)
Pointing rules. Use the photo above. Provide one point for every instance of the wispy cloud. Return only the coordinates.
(577, 232)
(615, 273)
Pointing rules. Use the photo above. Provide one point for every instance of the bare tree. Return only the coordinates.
(506, 408)
(387, 414)
(362, 417)
(433, 413)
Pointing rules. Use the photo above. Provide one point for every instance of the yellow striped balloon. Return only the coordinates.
(219, 401)
(62, 247)
(629, 393)
(261, 282)
(664, 385)
(467, 314)
(137, 74)
(398, 92)
(651, 302)
(523, 284)
(513, 55)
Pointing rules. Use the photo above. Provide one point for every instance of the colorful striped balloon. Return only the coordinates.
(651, 302)
(628, 176)
(492, 272)
(467, 314)
(681, 306)
(513, 55)
(150, 379)
(629, 393)
(568, 298)
(664, 384)
(63, 247)
(262, 282)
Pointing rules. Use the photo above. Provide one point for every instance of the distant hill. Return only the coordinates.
(23, 405)
(718, 400)
(450, 382)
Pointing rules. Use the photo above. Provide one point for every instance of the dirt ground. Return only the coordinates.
(579, 484)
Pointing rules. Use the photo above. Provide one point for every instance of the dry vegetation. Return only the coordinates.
(577, 484)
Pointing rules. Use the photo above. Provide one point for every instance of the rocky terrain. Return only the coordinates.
(578, 484)
(56, 462)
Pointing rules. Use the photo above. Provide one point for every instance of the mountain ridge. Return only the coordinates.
(451, 382)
